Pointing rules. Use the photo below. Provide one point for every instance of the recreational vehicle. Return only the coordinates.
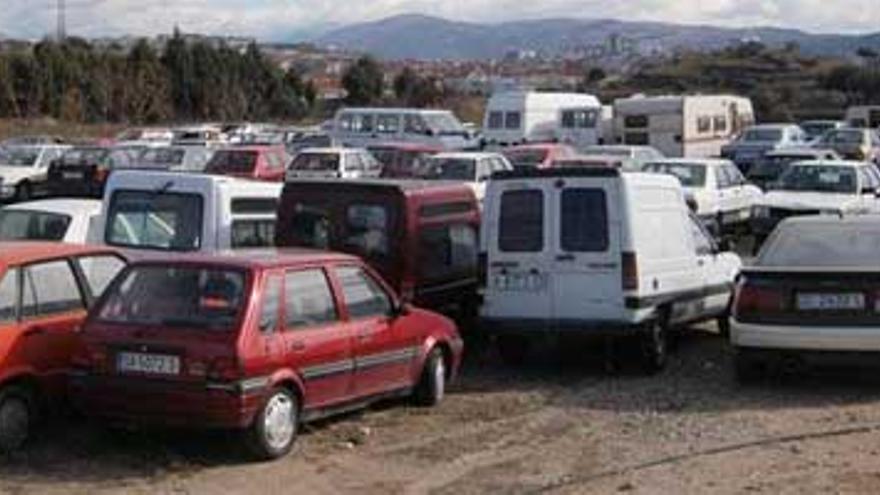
(581, 127)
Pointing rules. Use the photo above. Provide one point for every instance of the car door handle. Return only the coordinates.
(565, 257)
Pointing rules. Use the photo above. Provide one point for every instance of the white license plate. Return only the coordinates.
(520, 282)
(153, 364)
(72, 175)
(830, 302)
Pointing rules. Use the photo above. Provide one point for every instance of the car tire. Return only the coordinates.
(18, 415)
(654, 343)
(513, 349)
(274, 429)
(432, 384)
(747, 369)
(23, 192)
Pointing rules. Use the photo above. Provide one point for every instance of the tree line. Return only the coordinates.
(185, 81)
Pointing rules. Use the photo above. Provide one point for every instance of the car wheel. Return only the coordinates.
(17, 417)
(746, 367)
(513, 349)
(23, 192)
(655, 346)
(274, 429)
(432, 384)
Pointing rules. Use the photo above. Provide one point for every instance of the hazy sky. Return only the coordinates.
(293, 19)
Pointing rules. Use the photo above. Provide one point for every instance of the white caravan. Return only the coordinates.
(168, 211)
(582, 127)
(518, 117)
(363, 127)
(682, 126)
(596, 252)
(866, 116)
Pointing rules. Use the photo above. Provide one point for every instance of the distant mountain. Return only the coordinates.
(425, 37)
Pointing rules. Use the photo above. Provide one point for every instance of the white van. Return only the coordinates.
(581, 127)
(519, 116)
(865, 116)
(363, 127)
(598, 252)
(682, 126)
(169, 211)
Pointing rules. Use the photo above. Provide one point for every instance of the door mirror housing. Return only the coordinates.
(401, 308)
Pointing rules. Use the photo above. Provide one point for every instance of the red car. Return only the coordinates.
(249, 162)
(258, 341)
(538, 155)
(45, 289)
(402, 160)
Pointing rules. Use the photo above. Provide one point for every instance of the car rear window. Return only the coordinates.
(148, 219)
(584, 220)
(315, 162)
(526, 158)
(32, 225)
(175, 296)
(521, 227)
(822, 245)
(232, 161)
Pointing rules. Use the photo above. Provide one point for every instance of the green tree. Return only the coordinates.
(364, 82)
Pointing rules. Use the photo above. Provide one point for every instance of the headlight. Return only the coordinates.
(761, 212)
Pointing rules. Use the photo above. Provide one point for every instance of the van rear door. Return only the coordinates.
(585, 264)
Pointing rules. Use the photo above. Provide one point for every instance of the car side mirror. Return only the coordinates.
(400, 309)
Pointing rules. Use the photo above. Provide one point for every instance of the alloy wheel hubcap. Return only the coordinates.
(278, 423)
(440, 379)
(14, 423)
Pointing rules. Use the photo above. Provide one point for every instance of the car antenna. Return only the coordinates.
(164, 187)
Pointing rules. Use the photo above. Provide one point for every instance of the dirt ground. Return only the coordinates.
(562, 423)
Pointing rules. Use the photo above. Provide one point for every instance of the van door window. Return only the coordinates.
(251, 233)
(388, 124)
(512, 120)
(147, 219)
(446, 251)
(521, 226)
(584, 220)
(414, 124)
(310, 226)
(496, 120)
(367, 228)
(363, 123)
(353, 163)
(346, 122)
(308, 299)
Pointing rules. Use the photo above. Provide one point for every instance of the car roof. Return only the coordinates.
(262, 258)
(404, 146)
(860, 220)
(59, 206)
(717, 162)
(18, 252)
(332, 150)
(406, 186)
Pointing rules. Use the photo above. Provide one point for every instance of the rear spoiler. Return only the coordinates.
(530, 173)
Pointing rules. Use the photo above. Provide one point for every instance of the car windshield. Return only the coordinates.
(817, 178)
(817, 128)
(443, 123)
(20, 225)
(463, 169)
(526, 158)
(315, 162)
(762, 135)
(232, 161)
(690, 174)
(832, 244)
(843, 137)
(155, 220)
(176, 297)
(772, 166)
(19, 157)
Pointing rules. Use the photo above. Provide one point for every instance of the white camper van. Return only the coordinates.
(364, 127)
(582, 127)
(867, 116)
(168, 211)
(597, 252)
(518, 117)
(682, 126)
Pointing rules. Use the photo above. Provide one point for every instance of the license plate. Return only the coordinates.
(72, 175)
(830, 302)
(153, 364)
(520, 282)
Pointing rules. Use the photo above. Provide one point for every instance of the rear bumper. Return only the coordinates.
(536, 327)
(162, 403)
(791, 337)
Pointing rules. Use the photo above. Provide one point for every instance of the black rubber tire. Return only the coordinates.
(513, 349)
(23, 192)
(432, 383)
(747, 369)
(15, 434)
(654, 346)
(257, 437)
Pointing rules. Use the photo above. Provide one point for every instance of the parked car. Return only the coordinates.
(853, 144)
(767, 170)
(45, 290)
(205, 135)
(34, 140)
(249, 162)
(537, 155)
(145, 136)
(473, 168)
(402, 160)
(174, 158)
(864, 116)
(64, 220)
(174, 212)
(83, 170)
(296, 140)
(342, 163)
(257, 341)
(811, 296)
(421, 236)
(715, 190)
(594, 161)
(815, 129)
(24, 169)
(757, 140)
(595, 252)
(813, 188)
(634, 157)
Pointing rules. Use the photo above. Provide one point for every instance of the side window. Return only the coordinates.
(353, 162)
(346, 122)
(252, 233)
(448, 251)
(308, 299)
(484, 169)
(363, 295)
(271, 305)
(734, 175)
(584, 220)
(388, 124)
(512, 120)
(8, 296)
(368, 229)
(521, 226)
(722, 178)
(54, 287)
(99, 271)
(413, 124)
(702, 242)
(496, 120)
(274, 160)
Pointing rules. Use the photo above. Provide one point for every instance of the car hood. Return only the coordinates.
(12, 175)
(793, 200)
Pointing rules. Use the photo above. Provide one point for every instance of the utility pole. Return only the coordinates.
(61, 34)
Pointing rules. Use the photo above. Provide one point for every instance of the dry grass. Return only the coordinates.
(47, 126)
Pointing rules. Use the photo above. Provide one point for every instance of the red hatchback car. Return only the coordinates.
(249, 162)
(258, 341)
(45, 289)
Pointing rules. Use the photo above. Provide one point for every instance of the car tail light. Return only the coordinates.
(630, 271)
(752, 299)
(224, 370)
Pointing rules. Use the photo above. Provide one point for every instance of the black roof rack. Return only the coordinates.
(530, 173)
